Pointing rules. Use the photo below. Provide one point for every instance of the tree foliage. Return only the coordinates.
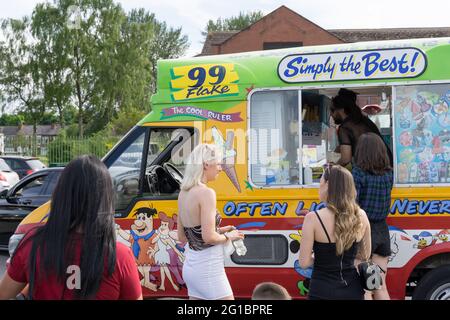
(96, 59)
(19, 76)
(234, 23)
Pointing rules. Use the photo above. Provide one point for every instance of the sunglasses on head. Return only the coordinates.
(326, 170)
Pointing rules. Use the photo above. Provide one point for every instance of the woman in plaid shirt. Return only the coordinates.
(373, 178)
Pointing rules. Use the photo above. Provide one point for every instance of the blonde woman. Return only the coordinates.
(337, 235)
(198, 225)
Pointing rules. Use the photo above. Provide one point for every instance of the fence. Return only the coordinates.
(58, 150)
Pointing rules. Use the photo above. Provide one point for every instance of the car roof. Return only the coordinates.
(19, 157)
(52, 169)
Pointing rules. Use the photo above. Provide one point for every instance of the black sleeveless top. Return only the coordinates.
(194, 235)
(334, 277)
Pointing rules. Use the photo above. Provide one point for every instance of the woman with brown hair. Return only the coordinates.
(336, 234)
(373, 178)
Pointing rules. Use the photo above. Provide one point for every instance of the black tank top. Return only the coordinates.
(194, 235)
(333, 276)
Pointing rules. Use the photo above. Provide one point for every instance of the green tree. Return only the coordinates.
(93, 43)
(74, 58)
(19, 71)
(47, 22)
(234, 23)
(143, 32)
(95, 59)
(11, 119)
(167, 43)
(127, 79)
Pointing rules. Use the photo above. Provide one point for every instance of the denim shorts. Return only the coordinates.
(381, 242)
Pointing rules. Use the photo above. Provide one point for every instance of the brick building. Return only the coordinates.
(283, 28)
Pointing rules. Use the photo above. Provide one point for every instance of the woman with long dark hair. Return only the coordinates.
(374, 179)
(337, 234)
(75, 254)
(352, 124)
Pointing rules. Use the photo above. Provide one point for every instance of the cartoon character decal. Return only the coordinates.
(303, 284)
(442, 236)
(156, 251)
(424, 239)
(229, 155)
(168, 252)
(141, 238)
(394, 247)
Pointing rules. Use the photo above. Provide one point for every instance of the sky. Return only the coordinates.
(193, 15)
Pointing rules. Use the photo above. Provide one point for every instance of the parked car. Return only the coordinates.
(8, 177)
(25, 196)
(24, 166)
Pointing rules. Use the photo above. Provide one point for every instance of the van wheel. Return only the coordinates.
(435, 285)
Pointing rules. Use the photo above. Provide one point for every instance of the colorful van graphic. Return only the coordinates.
(269, 113)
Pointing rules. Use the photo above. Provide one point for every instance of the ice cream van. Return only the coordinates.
(269, 112)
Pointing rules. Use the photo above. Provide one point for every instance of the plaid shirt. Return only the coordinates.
(373, 193)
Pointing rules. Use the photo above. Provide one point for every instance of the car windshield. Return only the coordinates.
(35, 164)
(4, 166)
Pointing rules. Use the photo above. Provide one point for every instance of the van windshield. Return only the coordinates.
(160, 139)
(126, 168)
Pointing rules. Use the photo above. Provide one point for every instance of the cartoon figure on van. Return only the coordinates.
(442, 235)
(229, 155)
(394, 246)
(216, 98)
(166, 242)
(424, 239)
(306, 274)
(141, 240)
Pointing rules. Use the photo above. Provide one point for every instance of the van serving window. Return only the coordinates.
(280, 156)
(274, 140)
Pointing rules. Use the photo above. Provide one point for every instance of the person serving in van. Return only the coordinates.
(352, 124)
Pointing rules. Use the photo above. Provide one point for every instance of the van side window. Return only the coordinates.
(319, 138)
(274, 138)
(166, 160)
(422, 134)
(290, 143)
(125, 171)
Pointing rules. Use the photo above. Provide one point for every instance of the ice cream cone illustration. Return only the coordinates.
(230, 170)
(229, 156)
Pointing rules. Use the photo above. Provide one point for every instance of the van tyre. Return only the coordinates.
(435, 285)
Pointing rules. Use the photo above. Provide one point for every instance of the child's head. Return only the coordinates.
(371, 154)
(270, 291)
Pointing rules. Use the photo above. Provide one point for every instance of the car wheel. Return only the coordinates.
(435, 285)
